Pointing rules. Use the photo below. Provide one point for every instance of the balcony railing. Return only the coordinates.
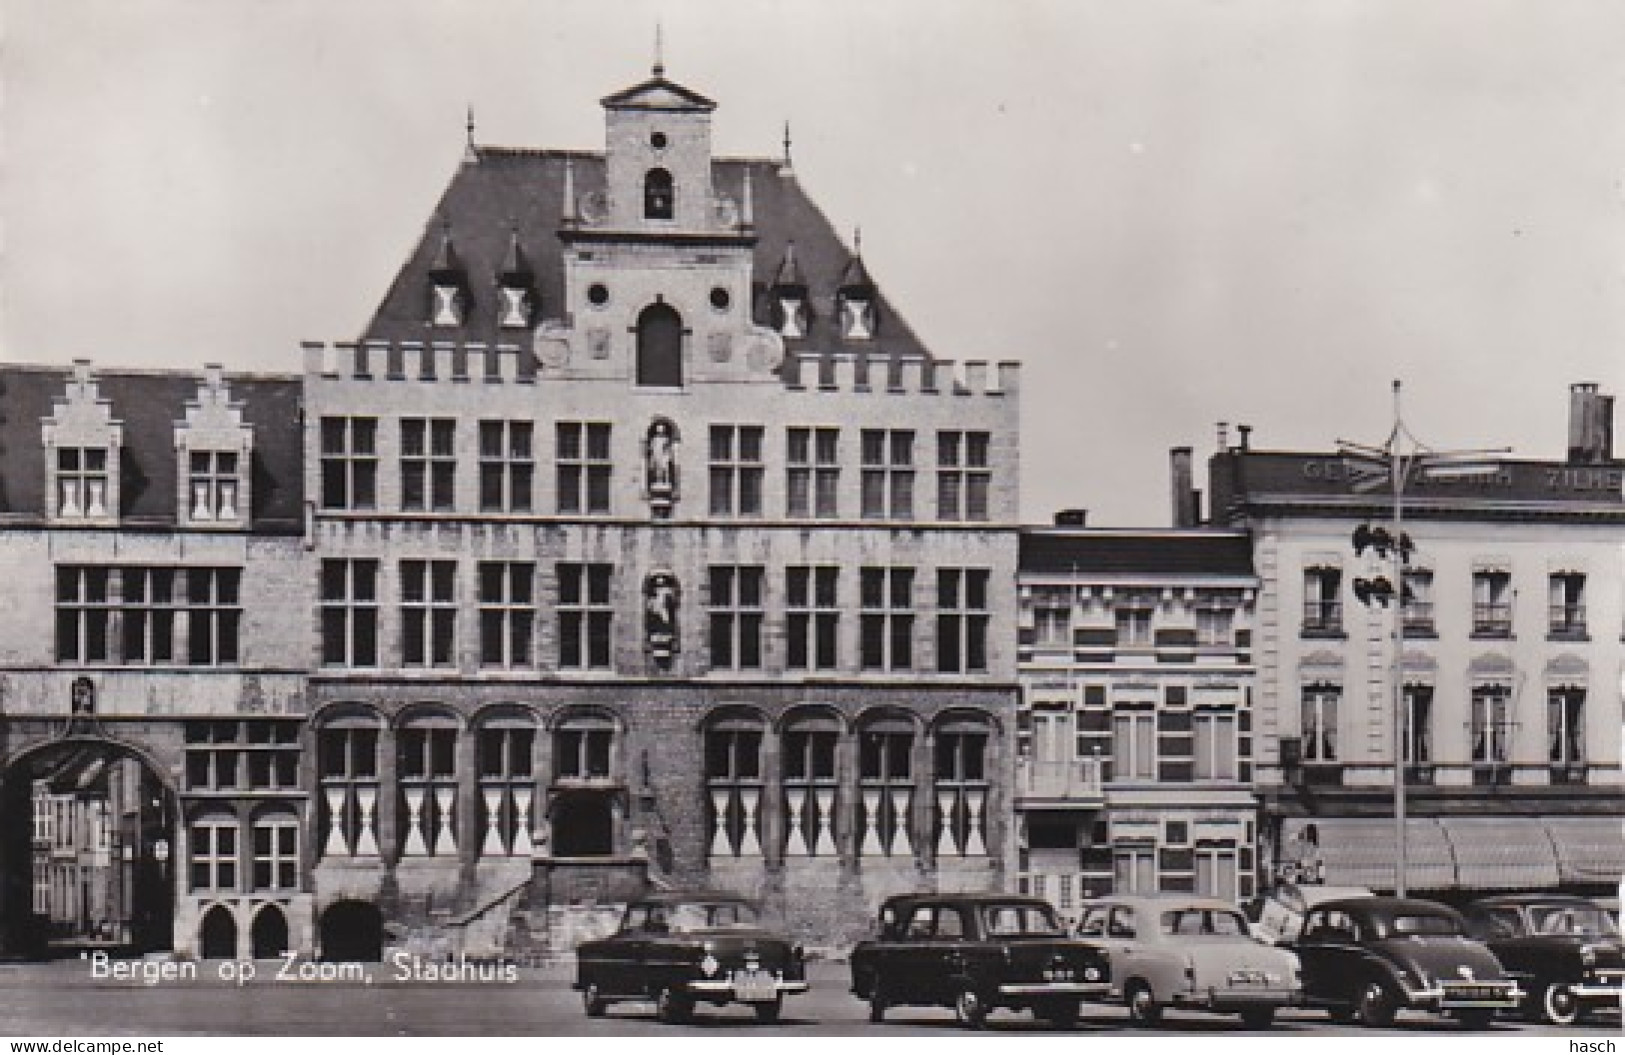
(1568, 620)
(1077, 780)
(1322, 617)
(1492, 618)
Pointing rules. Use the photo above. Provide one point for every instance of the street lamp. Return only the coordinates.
(1400, 459)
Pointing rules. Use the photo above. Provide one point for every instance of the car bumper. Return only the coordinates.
(1605, 988)
(1032, 990)
(1238, 999)
(1442, 1000)
(724, 988)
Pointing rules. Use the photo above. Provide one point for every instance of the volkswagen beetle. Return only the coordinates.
(680, 950)
(1190, 952)
(1368, 958)
(1564, 950)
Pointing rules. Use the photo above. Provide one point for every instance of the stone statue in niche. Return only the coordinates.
(660, 466)
(660, 596)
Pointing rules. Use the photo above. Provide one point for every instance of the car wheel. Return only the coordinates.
(768, 1012)
(1258, 1017)
(1558, 1004)
(1341, 1013)
(1143, 1009)
(877, 1000)
(593, 1002)
(1062, 1014)
(1376, 1007)
(969, 1008)
(673, 1007)
(1476, 1017)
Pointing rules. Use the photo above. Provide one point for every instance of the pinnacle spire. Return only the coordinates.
(469, 153)
(659, 69)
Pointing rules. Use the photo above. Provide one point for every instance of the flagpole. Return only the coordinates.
(1400, 468)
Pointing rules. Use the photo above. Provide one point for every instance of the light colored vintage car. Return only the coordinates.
(1189, 952)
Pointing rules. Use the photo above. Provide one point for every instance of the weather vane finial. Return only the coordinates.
(786, 144)
(660, 51)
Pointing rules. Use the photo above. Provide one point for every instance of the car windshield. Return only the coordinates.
(1021, 921)
(1585, 921)
(1420, 923)
(710, 915)
(1204, 923)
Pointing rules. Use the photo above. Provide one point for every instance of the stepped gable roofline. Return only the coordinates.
(658, 93)
(523, 188)
(148, 403)
(1087, 552)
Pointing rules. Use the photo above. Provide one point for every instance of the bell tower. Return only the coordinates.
(657, 146)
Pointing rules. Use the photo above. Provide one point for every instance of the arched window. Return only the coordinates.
(276, 850)
(807, 756)
(886, 773)
(733, 778)
(660, 347)
(505, 755)
(214, 852)
(659, 198)
(426, 765)
(347, 764)
(962, 786)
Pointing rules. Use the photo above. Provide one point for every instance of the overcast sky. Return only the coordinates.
(1173, 213)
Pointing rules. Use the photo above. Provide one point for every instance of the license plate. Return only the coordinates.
(755, 986)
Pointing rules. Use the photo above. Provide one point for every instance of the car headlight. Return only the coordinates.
(1091, 974)
(709, 965)
(1588, 955)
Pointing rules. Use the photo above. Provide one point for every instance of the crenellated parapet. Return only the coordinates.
(859, 373)
(434, 362)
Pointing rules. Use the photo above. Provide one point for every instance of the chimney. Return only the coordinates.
(1591, 426)
(1244, 442)
(1224, 436)
(1071, 518)
(1184, 490)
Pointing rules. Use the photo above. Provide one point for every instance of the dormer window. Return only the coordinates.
(857, 318)
(447, 308)
(214, 487)
(81, 442)
(792, 312)
(81, 483)
(659, 198)
(515, 307)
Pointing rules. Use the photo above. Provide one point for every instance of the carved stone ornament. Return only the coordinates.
(661, 594)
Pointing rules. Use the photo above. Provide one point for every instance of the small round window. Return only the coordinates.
(598, 294)
(720, 299)
(658, 140)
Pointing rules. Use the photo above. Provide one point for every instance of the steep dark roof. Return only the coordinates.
(149, 403)
(508, 190)
(1085, 551)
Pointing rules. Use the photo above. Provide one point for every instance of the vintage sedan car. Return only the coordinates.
(680, 950)
(1367, 958)
(976, 953)
(1181, 951)
(1565, 951)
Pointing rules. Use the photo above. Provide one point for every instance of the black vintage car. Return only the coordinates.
(683, 949)
(1565, 951)
(1367, 958)
(975, 953)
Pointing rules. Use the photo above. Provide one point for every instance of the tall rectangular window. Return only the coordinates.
(1215, 736)
(886, 626)
(1319, 722)
(736, 616)
(1491, 724)
(81, 482)
(507, 466)
(214, 487)
(1132, 618)
(1492, 604)
(1134, 869)
(1052, 617)
(813, 617)
(962, 619)
(886, 775)
(888, 474)
(584, 616)
(813, 472)
(1565, 726)
(349, 606)
(1568, 605)
(1322, 601)
(214, 615)
(1418, 601)
(428, 612)
(428, 463)
(1418, 733)
(347, 765)
(1216, 870)
(583, 467)
(214, 854)
(276, 852)
(507, 613)
(349, 463)
(736, 470)
(1215, 623)
(963, 476)
(1134, 743)
(150, 614)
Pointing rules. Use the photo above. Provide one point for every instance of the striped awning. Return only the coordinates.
(1360, 851)
(1502, 853)
(1589, 849)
